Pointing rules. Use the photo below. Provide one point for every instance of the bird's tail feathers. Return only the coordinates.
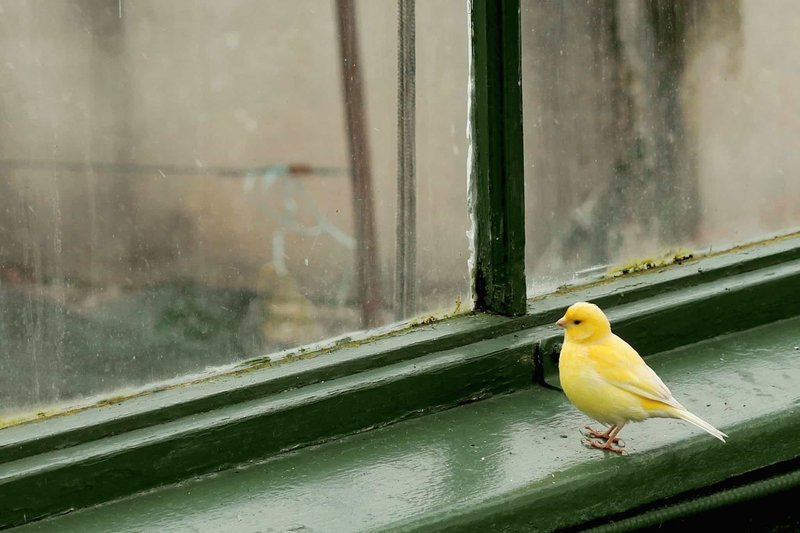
(699, 422)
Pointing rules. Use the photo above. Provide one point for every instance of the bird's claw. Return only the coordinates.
(601, 435)
(606, 446)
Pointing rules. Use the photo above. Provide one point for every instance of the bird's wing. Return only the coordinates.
(619, 365)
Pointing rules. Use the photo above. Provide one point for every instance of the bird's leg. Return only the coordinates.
(609, 443)
(605, 436)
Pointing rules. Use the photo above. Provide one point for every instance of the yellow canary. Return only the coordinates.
(603, 376)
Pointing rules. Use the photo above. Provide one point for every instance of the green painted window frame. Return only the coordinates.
(497, 184)
(508, 342)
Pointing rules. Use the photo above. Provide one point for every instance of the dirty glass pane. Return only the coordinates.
(175, 192)
(654, 129)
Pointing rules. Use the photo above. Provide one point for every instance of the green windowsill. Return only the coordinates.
(510, 462)
(260, 412)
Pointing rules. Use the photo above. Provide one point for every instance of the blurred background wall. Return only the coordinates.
(205, 83)
(656, 124)
(112, 276)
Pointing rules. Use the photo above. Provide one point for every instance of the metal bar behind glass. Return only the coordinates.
(363, 206)
(406, 239)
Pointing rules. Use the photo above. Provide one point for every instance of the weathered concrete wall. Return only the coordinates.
(239, 83)
(654, 124)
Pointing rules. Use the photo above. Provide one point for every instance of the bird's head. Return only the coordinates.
(584, 322)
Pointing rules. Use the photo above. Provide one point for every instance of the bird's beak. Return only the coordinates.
(561, 322)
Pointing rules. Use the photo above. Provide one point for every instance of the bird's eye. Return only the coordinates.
(576, 322)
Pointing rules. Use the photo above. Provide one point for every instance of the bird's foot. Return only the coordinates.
(606, 446)
(601, 435)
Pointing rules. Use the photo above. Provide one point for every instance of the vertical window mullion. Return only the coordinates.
(497, 169)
